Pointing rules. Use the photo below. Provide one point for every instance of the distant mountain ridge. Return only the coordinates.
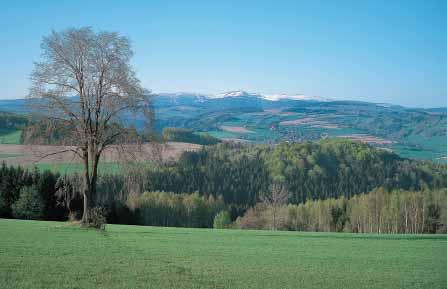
(233, 99)
(244, 94)
(261, 118)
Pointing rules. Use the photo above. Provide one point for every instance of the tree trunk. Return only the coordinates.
(86, 208)
(91, 160)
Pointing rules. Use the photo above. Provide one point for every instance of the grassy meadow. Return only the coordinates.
(10, 136)
(37, 254)
(71, 168)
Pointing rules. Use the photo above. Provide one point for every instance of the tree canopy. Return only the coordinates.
(84, 82)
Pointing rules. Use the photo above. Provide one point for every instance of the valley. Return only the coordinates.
(248, 117)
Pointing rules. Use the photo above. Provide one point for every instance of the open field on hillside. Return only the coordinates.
(41, 156)
(433, 148)
(236, 129)
(37, 254)
(10, 136)
(310, 121)
(369, 139)
(71, 168)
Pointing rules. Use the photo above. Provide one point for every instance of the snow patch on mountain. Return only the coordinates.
(235, 93)
(271, 97)
(276, 97)
(243, 93)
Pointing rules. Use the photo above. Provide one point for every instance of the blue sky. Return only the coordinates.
(380, 51)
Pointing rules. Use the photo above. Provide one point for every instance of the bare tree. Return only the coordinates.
(275, 198)
(84, 82)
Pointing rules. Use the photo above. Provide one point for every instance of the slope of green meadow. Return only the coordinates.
(10, 136)
(71, 168)
(36, 254)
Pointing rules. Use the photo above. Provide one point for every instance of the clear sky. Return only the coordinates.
(380, 51)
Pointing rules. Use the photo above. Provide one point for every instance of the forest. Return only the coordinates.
(10, 120)
(188, 135)
(380, 211)
(322, 186)
(311, 170)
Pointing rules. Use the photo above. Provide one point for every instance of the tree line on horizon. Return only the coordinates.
(238, 179)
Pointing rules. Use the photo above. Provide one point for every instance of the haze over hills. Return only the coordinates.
(270, 118)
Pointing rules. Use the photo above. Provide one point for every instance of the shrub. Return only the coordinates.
(96, 219)
(222, 220)
(254, 218)
(29, 205)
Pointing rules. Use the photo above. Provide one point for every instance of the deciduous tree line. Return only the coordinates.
(175, 210)
(379, 211)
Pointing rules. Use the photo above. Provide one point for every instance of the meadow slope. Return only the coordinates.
(36, 254)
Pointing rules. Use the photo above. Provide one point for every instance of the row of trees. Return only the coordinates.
(28, 194)
(33, 195)
(175, 210)
(379, 211)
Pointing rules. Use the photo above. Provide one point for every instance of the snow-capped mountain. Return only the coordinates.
(244, 94)
(236, 93)
(276, 97)
(270, 97)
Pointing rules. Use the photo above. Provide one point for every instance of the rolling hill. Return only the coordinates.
(257, 118)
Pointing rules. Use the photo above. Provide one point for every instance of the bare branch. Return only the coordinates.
(46, 155)
(85, 81)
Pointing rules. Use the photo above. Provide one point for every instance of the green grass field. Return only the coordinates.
(431, 148)
(35, 254)
(71, 168)
(10, 136)
(103, 167)
(9, 155)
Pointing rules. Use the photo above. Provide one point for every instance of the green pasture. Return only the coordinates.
(10, 136)
(36, 254)
(70, 168)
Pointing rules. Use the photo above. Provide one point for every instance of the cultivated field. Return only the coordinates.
(309, 121)
(48, 157)
(37, 254)
(369, 139)
(236, 129)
